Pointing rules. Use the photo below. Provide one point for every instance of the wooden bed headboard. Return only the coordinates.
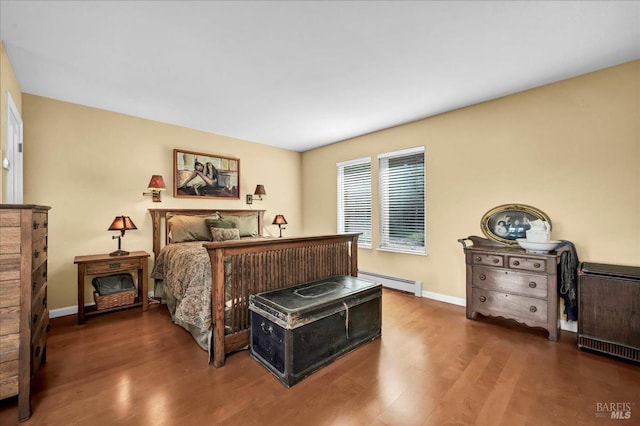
(159, 216)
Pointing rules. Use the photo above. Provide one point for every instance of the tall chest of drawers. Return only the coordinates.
(506, 281)
(24, 318)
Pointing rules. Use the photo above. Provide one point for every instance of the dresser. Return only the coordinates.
(24, 318)
(506, 281)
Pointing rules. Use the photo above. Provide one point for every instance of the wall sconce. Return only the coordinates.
(257, 194)
(121, 223)
(156, 185)
(280, 221)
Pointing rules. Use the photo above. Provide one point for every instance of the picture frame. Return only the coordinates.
(508, 222)
(202, 175)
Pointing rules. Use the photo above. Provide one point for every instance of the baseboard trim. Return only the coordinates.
(73, 310)
(459, 301)
(444, 298)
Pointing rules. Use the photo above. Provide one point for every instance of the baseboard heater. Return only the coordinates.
(395, 283)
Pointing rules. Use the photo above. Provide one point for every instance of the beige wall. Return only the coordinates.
(91, 165)
(571, 149)
(8, 84)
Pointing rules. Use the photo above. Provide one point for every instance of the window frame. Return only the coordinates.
(362, 243)
(383, 243)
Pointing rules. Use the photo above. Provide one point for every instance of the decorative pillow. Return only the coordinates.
(220, 223)
(184, 228)
(224, 234)
(246, 224)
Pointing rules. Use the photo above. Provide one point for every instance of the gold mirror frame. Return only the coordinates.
(515, 216)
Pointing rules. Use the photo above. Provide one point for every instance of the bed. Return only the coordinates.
(207, 284)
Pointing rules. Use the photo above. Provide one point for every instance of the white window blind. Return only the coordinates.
(354, 199)
(402, 200)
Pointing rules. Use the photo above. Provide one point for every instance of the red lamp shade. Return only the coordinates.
(280, 221)
(122, 224)
(259, 192)
(156, 184)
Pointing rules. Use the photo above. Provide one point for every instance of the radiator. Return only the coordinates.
(608, 316)
(395, 283)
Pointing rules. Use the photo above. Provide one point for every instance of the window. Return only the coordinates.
(402, 200)
(354, 199)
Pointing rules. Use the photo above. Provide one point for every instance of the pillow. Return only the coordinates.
(246, 224)
(224, 234)
(189, 228)
(219, 223)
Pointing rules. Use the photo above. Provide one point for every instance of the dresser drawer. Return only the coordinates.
(8, 369)
(9, 218)
(39, 225)
(521, 308)
(10, 241)
(528, 264)
(40, 325)
(38, 279)
(38, 307)
(9, 385)
(487, 259)
(531, 285)
(38, 346)
(9, 347)
(9, 267)
(114, 265)
(9, 293)
(39, 253)
(9, 320)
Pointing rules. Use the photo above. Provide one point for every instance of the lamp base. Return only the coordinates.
(119, 253)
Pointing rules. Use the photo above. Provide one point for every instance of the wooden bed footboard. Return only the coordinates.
(257, 265)
(267, 264)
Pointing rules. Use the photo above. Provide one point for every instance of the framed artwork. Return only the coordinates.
(200, 175)
(508, 222)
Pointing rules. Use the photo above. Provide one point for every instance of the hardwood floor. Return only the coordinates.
(431, 367)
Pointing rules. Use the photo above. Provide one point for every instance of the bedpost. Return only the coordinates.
(155, 221)
(217, 305)
(354, 255)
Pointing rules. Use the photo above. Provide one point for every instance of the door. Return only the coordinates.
(13, 161)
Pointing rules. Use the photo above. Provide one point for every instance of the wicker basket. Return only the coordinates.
(114, 300)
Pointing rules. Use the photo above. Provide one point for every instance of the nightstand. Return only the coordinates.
(103, 264)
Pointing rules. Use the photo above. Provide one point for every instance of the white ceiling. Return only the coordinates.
(299, 75)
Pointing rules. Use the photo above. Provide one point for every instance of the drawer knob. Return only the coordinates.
(33, 285)
(46, 224)
(483, 299)
(532, 309)
(44, 302)
(36, 254)
(44, 274)
(536, 265)
(35, 318)
(516, 263)
(36, 225)
(496, 260)
(532, 284)
(45, 249)
(478, 258)
(265, 329)
(483, 277)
